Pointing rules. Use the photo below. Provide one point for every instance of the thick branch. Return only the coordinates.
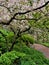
(21, 13)
(17, 36)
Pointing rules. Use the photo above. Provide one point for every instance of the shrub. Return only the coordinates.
(6, 34)
(33, 57)
(6, 37)
(9, 57)
(27, 38)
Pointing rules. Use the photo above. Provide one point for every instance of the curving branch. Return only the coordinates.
(18, 36)
(22, 13)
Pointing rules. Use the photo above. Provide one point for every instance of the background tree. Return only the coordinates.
(17, 17)
(23, 22)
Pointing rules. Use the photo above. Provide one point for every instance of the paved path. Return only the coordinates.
(41, 48)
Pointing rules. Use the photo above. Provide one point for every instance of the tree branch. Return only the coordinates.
(22, 13)
(5, 7)
(17, 36)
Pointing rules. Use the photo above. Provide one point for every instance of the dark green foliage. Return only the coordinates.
(5, 38)
(21, 54)
(27, 61)
(14, 58)
(32, 55)
(6, 34)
